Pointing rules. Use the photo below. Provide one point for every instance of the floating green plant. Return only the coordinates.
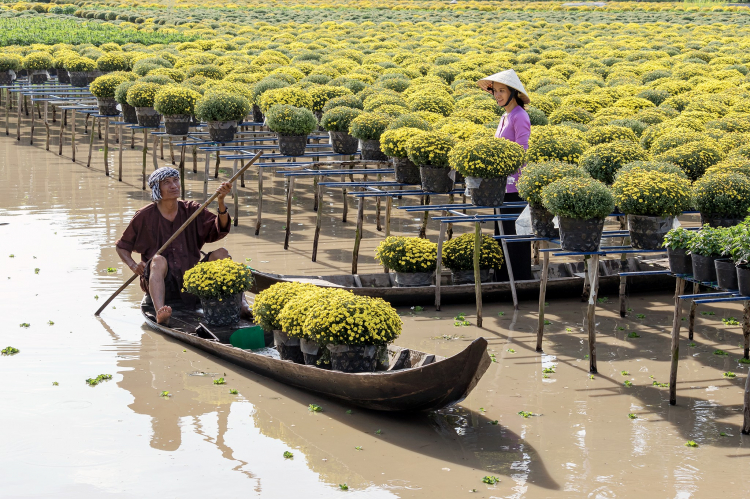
(220, 381)
(546, 322)
(632, 416)
(98, 379)
(549, 370)
(708, 313)
(491, 480)
(729, 374)
(165, 394)
(628, 383)
(314, 408)
(378, 432)
(51, 323)
(9, 351)
(660, 385)
(55, 383)
(359, 447)
(510, 350)
(343, 486)
(633, 334)
(720, 352)
(625, 373)
(691, 443)
(232, 391)
(288, 455)
(730, 321)
(640, 316)
(525, 414)
(111, 270)
(349, 411)
(36, 271)
(25, 324)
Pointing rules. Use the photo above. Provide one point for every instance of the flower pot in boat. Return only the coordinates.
(467, 276)
(223, 311)
(288, 347)
(353, 358)
(411, 279)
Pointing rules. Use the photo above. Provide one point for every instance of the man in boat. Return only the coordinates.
(151, 227)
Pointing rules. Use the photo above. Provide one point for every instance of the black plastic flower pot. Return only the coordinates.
(406, 171)
(257, 115)
(435, 179)
(648, 232)
(354, 358)
(288, 348)
(312, 353)
(411, 279)
(6, 78)
(743, 280)
(680, 261)
(704, 269)
(129, 115)
(467, 276)
(371, 151)
(726, 274)
(292, 145)
(343, 143)
(489, 191)
(716, 221)
(63, 76)
(79, 79)
(224, 312)
(148, 117)
(178, 124)
(542, 222)
(581, 235)
(38, 77)
(107, 106)
(222, 131)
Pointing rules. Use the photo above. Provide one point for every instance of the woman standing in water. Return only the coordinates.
(515, 126)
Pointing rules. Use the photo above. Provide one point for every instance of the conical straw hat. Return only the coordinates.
(508, 78)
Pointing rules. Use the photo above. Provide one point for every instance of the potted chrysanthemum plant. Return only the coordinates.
(219, 284)
(458, 256)
(223, 112)
(393, 144)
(486, 164)
(141, 96)
(368, 127)
(723, 199)
(292, 126)
(413, 259)
(104, 88)
(38, 64)
(337, 121)
(429, 151)
(177, 104)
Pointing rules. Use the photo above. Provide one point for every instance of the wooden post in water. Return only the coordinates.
(7, 112)
(679, 289)
(378, 227)
(693, 309)
(145, 153)
(746, 331)
(623, 284)
(62, 129)
(259, 219)
(33, 122)
(746, 409)
(46, 121)
(439, 262)
(91, 140)
(119, 152)
(542, 294)
(235, 195)
(358, 233)
(289, 196)
(477, 271)
(195, 160)
(504, 245)
(154, 151)
(425, 218)
(20, 112)
(586, 279)
(318, 221)
(72, 135)
(106, 147)
(346, 201)
(591, 311)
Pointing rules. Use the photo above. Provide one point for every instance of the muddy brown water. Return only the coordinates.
(121, 438)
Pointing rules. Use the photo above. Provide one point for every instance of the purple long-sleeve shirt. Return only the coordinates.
(516, 127)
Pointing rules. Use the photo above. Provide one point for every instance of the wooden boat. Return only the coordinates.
(565, 279)
(413, 381)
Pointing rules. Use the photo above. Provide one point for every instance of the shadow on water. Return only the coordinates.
(454, 435)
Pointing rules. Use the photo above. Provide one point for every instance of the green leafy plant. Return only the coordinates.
(632, 416)
(628, 383)
(220, 381)
(121, 92)
(525, 414)
(314, 408)
(678, 238)
(490, 480)
(113, 61)
(55, 383)
(720, 352)
(691, 443)
(289, 120)
(288, 455)
(729, 374)
(407, 254)
(603, 161)
(25, 325)
(290, 96)
(458, 253)
(105, 86)
(730, 321)
(165, 394)
(694, 157)
(9, 351)
(581, 198)
(37, 61)
(633, 334)
(98, 379)
(708, 242)
(343, 486)
(233, 392)
(393, 141)
(660, 385)
(548, 370)
(174, 100)
(220, 106)
(79, 64)
(10, 62)
(535, 176)
(624, 373)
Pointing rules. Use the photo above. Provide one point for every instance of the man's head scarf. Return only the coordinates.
(158, 176)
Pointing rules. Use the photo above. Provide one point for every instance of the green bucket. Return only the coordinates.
(248, 338)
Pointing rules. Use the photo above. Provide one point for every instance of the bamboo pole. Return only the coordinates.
(154, 150)
(106, 146)
(145, 155)
(586, 279)
(439, 263)
(318, 221)
(508, 265)
(7, 112)
(20, 111)
(693, 309)
(289, 195)
(425, 218)
(33, 122)
(207, 173)
(46, 122)
(746, 408)
(591, 311)
(358, 233)
(91, 140)
(259, 219)
(477, 271)
(542, 294)
(62, 129)
(175, 235)
(235, 196)
(679, 289)
(119, 152)
(72, 135)
(746, 331)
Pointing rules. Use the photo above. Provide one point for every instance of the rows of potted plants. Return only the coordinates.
(327, 327)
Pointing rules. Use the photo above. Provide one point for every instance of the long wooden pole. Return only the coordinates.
(542, 294)
(477, 270)
(177, 233)
(679, 289)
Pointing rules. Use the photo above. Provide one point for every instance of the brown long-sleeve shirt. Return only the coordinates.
(149, 230)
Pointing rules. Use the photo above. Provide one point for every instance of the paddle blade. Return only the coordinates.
(248, 338)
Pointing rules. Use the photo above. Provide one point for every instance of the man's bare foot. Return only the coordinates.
(163, 315)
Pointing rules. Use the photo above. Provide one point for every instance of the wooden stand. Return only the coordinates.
(593, 271)
(542, 294)
(679, 289)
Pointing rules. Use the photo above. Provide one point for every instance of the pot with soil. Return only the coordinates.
(647, 232)
(38, 77)
(717, 221)
(435, 179)
(467, 276)
(412, 279)
(406, 172)
(292, 145)
(7, 77)
(371, 151)
(726, 274)
(486, 191)
(257, 115)
(313, 353)
(343, 143)
(680, 261)
(581, 235)
(288, 347)
(743, 279)
(129, 115)
(353, 358)
(223, 311)
(107, 106)
(63, 76)
(542, 222)
(222, 131)
(704, 269)
(178, 124)
(148, 117)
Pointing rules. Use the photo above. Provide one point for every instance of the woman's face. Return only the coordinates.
(501, 93)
